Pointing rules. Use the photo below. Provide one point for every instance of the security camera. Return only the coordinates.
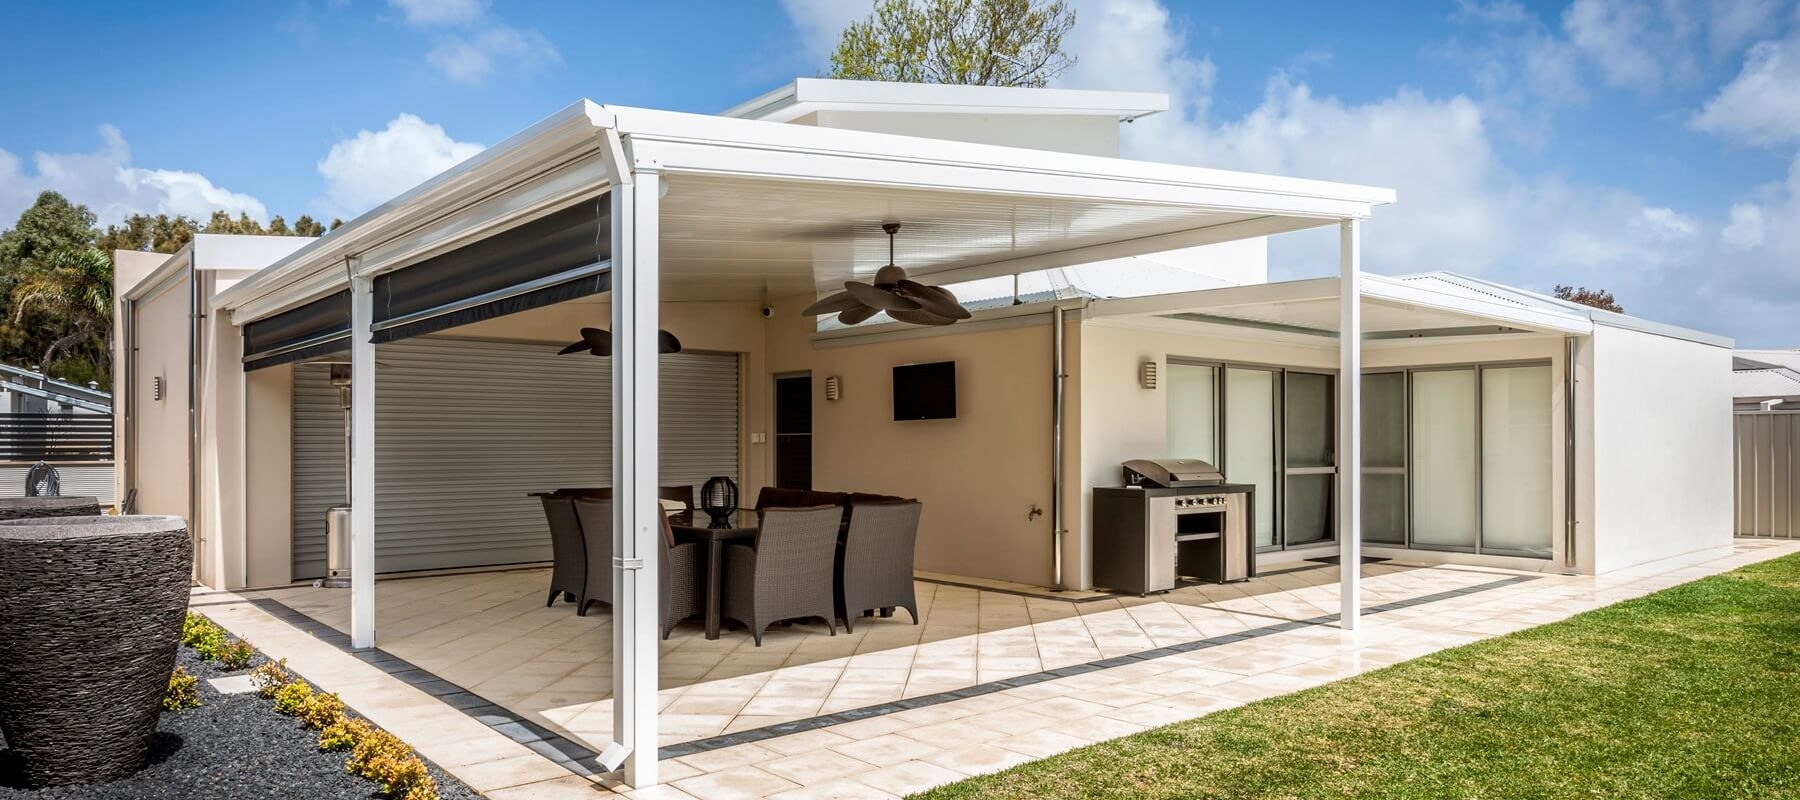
(768, 312)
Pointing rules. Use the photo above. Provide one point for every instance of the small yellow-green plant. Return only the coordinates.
(342, 734)
(183, 693)
(203, 635)
(381, 757)
(290, 698)
(235, 655)
(320, 710)
(270, 677)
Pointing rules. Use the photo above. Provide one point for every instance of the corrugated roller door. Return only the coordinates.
(467, 429)
(318, 464)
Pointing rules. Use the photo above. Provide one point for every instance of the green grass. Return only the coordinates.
(1693, 692)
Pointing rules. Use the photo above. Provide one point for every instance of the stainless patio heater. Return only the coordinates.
(337, 518)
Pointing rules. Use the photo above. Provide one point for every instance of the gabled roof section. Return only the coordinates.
(811, 95)
(1761, 384)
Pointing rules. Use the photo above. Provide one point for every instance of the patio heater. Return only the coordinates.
(337, 518)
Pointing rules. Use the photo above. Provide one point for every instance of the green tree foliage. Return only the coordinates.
(972, 42)
(1598, 298)
(56, 278)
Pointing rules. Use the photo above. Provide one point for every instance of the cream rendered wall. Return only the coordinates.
(161, 426)
(130, 267)
(269, 473)
(1086, 135)
(978, 475)
(1661, 448)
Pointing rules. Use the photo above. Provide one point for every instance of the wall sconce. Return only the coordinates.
(156, 388)
(833, 389)
(1147, 375)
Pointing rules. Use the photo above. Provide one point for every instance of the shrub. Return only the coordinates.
(183, 693)
(320, 710)
(236, 655)
(343, 734)
(381, 757)
(270, 677)
(203, 635)
(290, 698)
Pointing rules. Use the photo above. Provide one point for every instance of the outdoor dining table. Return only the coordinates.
(696, 526)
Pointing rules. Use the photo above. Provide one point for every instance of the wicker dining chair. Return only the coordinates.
(681, 584)
(787, 574)
(597, 541)
(568, 553)
(875, 568)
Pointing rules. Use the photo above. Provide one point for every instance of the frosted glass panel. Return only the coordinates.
(1515, 459)
(1443, 458)
(1193, 412)
(1250, 441)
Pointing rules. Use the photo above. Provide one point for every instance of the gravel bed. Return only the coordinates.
(230, 748)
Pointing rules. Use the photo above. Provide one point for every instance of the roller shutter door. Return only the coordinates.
(467, 429)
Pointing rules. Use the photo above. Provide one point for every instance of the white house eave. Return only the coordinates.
(807, 96)
(169, 270)
(1603, 317)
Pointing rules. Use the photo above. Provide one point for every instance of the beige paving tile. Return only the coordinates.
(737, 783)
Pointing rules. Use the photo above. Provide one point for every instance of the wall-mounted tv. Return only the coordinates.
(925, 391)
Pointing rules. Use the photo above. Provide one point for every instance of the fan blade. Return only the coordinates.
(667, 343)
(934, 299)
(842, 301)
(879, 299)
(856, 315)
(578, 347)
(920, 317)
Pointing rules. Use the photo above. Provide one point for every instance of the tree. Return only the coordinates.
(51, 223)
(159, 234)
(975, 42)
(74, 287)
(1598, 298)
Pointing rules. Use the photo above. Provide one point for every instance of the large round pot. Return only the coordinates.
(91, 609)
(37, 507)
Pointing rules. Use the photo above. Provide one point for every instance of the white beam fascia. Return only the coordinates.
(1144, 245)
(1225, 297)
(1375, 286)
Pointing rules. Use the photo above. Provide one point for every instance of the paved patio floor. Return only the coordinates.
(512, 697)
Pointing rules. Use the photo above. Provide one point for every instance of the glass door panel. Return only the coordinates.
(1250, 441)
(1384, 457)
(1443, 458)
(1308, 414)
(1194, 412)
(1515, 460)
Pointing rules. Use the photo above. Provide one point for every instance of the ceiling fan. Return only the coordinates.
(599, 342)
(905, 300)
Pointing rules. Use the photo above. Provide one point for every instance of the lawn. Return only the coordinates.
(1693, 692)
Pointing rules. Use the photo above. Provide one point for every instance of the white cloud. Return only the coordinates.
(469, 60)
(1746, 230)
(372, 167)
(820, 22)
(106, 181)
(1762, 104)
(440, 12)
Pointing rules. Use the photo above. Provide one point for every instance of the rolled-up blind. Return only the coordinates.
(308, 331)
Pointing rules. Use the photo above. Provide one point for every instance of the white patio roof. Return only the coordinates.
(1425, 305)
(757, 209)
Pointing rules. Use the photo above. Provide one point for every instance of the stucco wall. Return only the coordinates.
(269, 472)
(978, 475)
(1660, 433)
(161, 426)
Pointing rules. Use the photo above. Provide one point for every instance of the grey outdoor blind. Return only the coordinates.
(317, 328)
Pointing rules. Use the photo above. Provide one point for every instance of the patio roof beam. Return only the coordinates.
(1240, 322)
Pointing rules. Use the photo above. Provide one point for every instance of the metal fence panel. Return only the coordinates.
(1767, 479)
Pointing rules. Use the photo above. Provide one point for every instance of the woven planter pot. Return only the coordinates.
(91, 609)
(37, 507)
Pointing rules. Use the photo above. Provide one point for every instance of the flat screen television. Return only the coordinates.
(925, 391)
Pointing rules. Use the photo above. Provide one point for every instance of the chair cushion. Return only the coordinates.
(811, 498)
(772, 497)
(854, 498)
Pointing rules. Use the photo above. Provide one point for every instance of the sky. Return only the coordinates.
(1648, 148)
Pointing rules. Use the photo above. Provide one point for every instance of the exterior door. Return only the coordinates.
(1309, 450)
(793, 432)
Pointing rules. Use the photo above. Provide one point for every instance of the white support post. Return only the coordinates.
(1349, 424)
(362, 464)
(637, 523)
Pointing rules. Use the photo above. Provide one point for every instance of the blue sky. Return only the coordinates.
(1644, 147)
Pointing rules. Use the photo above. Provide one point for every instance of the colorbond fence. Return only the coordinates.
(1767, 446)
(56, 437)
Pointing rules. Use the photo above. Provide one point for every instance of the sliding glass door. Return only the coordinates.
(1309, 445)
(1443, 459)
(1193, 412)
(1516, 515)
(1384, 458)
(1250, 415)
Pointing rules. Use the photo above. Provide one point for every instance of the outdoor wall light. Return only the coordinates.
(833, 389)
(156, 388)
(1147, 375)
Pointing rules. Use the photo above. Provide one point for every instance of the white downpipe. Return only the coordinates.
(1060, 378)
(1349, 522)
(636, 514)
(362, 461)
